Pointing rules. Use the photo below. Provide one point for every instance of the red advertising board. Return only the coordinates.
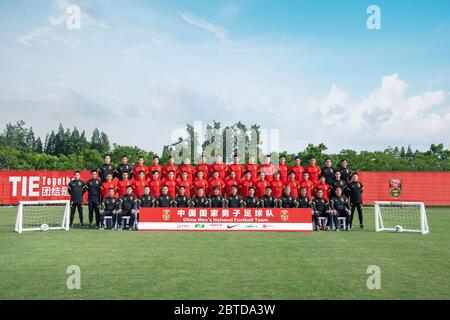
(225, 219)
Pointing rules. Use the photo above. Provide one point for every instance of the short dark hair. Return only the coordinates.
(77, 171)
(129, 187)
(269, 187)
(328, 158)
(140, 157)
(124, 156)
(252, 188)
(94, 170)
(156, 157)
(106, 155)
(181, 187)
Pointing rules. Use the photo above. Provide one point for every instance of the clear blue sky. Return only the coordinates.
(309, 68)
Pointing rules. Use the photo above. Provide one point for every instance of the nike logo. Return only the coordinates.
(231, 227)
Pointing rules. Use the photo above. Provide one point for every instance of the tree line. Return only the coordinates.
(69, 149)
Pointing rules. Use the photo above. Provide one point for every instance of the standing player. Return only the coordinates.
(340, 208)
(322, 185)
(234, 200)
(164, 200)
(307, 184)
(277, 185)
(237, 168)
(182, 200)
(171, 184)
(110, 207)
(354, 190)
(155, 166)
(106, 168)
(139, 184)
(93, 189)
(200, 201)
(268, 200)
(251, 201)
(220, 167)
(171, 166)
(188, 168)
(313, 171)
(216, 200)
(321, 208)
(155, 184)
(267, 168)
(107, 185)
(245, 184)
(128, 207)
(123, 184)
(298, 169)
(124, 167)
(293, 185)
(216, 181)
(282, 169)
(230, 182)
(346, 173)
(328, 171)
(261, 184)
(303, 200)
(76, 190)
(286, 200)
(140, 167)
(252, 167)
(203, 167)
(337, 183)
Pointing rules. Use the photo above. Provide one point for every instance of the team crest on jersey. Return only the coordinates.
(284, 215)
(166, 215)
(395, 187)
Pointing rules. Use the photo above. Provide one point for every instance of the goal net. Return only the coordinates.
(401, 217)
(42, 215)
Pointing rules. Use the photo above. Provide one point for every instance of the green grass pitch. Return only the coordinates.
(133, 265)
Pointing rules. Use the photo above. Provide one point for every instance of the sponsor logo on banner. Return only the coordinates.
(395, 187)
(200, 226)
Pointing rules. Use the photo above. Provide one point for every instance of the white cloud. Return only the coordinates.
(38, 35)
(220, 32)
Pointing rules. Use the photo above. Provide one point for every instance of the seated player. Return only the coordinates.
(253, 168)
(109, 207)
(298, 169)
(337, 183)
(313, 171)
(139, 184)
(155, 184)
(203, 167)
(216, 181)
(286, 200)
(340, 207)
(307, 184)
(245, 184)
(124, 166)
(146, 200)
(325, 188)
(155, 166)
(200, 201)
(171, 184)
(237, 168)
(268, 200)
(303, 200)
(251, 201)
(107, 185)
(140, 167)
(123, 184)
(216, 200)
(220, 167)
(293, 185)
(234, 200)
(128, 208)
(165, 200)
(200, 182)
(261, 184)
(277, 185)
(182, 200)
(230, 182)
(188, 168)
(321, 208)
(185, 182)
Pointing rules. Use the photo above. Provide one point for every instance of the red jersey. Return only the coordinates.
(293, 185)
(283, 170)
(229, 183)
(244, 185)
(309, 187)
(170, 167)
(253, 168)
(138, 169)
(314, 172)
(105, 188)
(187, 184)
(203, 167)
(172, 185)
(155, 187)
(238, 168)
(122, 186)
(260, 186)
(138, 187)
(298, 172)
(326, 190)
(216, 182)
(187, 168)
(268, 169)
(155, 167)
(219, 167)
(277, 188)
(200, 183)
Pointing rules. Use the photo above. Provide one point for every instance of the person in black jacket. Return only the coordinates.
(340, 208)
(328, 171)
(165, 200)
(124, 167)
(76, 189)
(346, 173)
(128, 208)
(286, 201)
(321, 208)
(268, 200)
(216, 200)
(110, 206)
(92, 187)
(146, 200)
(200, 201)
(354, 190)
(252, 201)
(303, 200)
(106, 168)
(234, 200)
(182, 200)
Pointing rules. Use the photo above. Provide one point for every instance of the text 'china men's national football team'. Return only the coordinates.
(116, 193)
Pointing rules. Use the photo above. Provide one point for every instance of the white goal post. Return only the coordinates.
(43, 215)
(401, 217)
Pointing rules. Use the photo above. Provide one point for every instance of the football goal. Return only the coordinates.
(43, 215)
(401, 217)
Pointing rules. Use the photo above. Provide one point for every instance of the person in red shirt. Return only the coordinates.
(203, 167)
(237, 168)
(267, 168)
(186, 183)
(200, 182)
(108, 184)
(245, 184)
(313, 171)
(139, 184)
(252, 167)
(188, 168)
(261, 184)
(308, 184)
(216, 181)
(155, 167)
(282, 169)
(171, 184)
(298, 169)
(230, 182)
(170, 167)
(124, 183)
(220, 167)
(293, 185)
(277, 185)
(322, 185)
(140, 167)
(155, 184)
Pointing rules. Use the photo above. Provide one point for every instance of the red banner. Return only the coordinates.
(225, 219)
